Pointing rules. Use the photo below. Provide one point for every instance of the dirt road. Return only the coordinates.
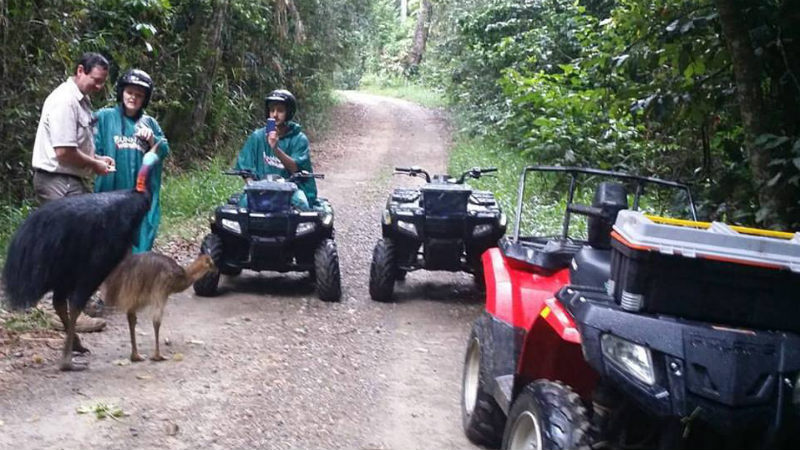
(267, 365)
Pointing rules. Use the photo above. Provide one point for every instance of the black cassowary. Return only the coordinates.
(69, 246)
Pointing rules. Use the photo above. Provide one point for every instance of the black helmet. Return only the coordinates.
(285, 97)
(139, 78)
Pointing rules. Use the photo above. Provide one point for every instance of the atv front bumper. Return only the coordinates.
(726, 377)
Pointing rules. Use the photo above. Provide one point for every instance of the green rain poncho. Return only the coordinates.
(114, 138)
(259, 158)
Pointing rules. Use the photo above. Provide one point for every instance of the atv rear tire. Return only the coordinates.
(382, 271)
(326, 270)
(211, 246)
(547, 415)
(481, 416)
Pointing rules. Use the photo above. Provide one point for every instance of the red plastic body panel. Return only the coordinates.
(514, 295)
(517, 295)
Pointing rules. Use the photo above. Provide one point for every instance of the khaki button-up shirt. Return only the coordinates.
(66, 121)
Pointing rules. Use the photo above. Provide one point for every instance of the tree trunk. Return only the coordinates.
(420, 36)
(747, 74)
(403, 10)
(211, 63)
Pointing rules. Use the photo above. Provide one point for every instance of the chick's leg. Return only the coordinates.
(135, 356)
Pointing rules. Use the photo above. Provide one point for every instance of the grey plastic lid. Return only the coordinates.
(719, 241)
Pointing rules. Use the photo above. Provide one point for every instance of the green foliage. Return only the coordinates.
(34, 319)
(212, 62)
(194, 194)
(11, 215)
(632, 85)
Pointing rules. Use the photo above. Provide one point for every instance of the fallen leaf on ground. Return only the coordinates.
(102, 410)
(122, 362)
(177, 357)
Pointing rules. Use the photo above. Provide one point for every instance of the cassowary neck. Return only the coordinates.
(142, 178)
(192, 273)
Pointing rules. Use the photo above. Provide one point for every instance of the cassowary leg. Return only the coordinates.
(60, 305)
(66, 355)
(135, 356)
(156, 326)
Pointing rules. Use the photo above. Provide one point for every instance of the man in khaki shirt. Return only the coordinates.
(63, 153)
(64, 162)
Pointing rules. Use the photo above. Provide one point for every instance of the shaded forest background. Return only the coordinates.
(703, 91)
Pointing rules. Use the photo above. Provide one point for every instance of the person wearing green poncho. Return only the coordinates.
(126, 133)
(282, 151)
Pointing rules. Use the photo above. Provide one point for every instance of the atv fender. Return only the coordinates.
(516, 295)
(552, 350)
(532, 335)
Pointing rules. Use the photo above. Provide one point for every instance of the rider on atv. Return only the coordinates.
(283, 150)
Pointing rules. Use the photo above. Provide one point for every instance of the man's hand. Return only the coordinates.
(102, 165)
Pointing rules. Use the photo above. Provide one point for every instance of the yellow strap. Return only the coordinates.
(705, 225)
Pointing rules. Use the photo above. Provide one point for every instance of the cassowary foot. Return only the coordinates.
(158, 357)
(72, 366)
(135, 357)
(78, 347)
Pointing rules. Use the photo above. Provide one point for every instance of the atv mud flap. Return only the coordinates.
(501, 345)
(726, 377)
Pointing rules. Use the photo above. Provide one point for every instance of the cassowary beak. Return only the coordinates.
(150, 159)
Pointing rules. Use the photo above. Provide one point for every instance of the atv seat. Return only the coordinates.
(591, 267)
(609, 198)
(543, 254)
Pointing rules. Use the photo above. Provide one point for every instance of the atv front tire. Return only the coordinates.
(481, 416)
(382, 271)
(547, 415)
(211, 246)
(326, 270)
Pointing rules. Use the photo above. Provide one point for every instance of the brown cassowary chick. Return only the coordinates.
(148, 279)
(69, 246)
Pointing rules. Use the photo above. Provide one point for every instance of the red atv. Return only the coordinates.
(656, 333)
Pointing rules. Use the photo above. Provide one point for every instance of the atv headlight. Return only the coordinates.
(481, 230)
(304, 228)
(232, 225)
(327, 220)
(633, 359)
(407, 227)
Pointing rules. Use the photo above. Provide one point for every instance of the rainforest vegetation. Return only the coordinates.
(703, 91)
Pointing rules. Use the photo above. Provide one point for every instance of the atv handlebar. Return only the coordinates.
(245, 173)
(475, 172)
(413, 172)
(305, 174)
